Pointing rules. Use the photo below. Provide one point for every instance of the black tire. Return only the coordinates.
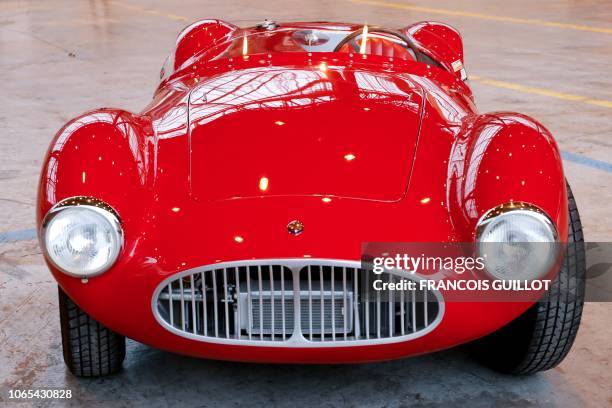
(90, 349)
(540, 338)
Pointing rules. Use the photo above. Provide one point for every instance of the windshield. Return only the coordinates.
(310, 39)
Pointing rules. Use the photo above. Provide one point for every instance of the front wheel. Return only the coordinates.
(90, 349)
(540, 338)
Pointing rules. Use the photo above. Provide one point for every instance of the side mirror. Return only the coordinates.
(440, 42)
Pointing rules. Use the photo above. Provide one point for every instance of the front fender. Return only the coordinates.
(502, 157)
(107, 154)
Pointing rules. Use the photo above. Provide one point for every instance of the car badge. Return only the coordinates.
(295, 227)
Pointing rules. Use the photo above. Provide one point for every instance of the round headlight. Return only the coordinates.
(82, 236)
(517, 241)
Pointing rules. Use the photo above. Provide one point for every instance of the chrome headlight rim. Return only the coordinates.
(516, 207)
(92, 204)
(511, 209)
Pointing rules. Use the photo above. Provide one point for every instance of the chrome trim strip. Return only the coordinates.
(516, 207)
(297, 339)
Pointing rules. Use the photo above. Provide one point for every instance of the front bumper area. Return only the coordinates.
(128, 304)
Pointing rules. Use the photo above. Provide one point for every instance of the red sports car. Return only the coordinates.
(226, 219)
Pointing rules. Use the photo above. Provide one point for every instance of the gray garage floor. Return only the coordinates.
(58, 58)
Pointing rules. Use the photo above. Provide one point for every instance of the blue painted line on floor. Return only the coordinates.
(15, 236)
(585, 161)
(30, 234)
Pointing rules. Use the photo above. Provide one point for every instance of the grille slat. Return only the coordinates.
(272, 298)
(322, 313)
(356, 306)
(182, 303)
(193, 305)
(413, 322)
(391, 310)
(204, 308)
(216, 303)
(344, 304)
(258, 302)
(332, 297)
(238, 311)
(367, 308)
(170, 302)
(402, 314)
(283, 315)
(378, 301)
(425, 317)
(226, 302)
(413, 296)
(310, 300)
(249, 300)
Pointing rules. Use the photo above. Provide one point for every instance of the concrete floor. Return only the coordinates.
(58, 58)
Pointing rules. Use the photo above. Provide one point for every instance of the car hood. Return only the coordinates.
(316, 131)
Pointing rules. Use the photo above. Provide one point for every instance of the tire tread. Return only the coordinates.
(559, 313)
(90, 349)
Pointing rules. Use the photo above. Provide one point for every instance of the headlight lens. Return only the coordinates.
(517, 241)
(84, 238)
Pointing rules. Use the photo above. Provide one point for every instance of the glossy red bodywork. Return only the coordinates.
(373, 135)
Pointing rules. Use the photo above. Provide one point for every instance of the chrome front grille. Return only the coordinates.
(293, 303)
(226, 302)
